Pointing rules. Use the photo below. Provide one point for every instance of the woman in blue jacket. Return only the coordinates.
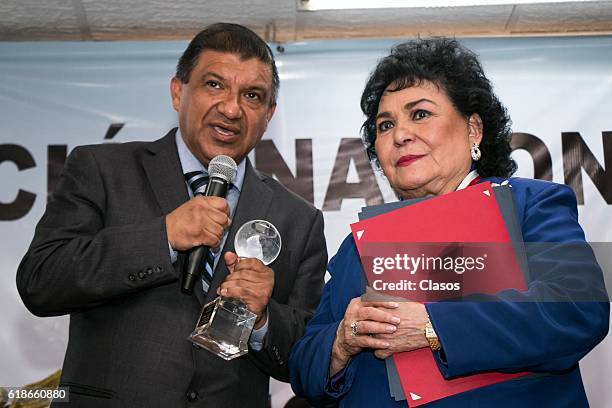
(433, 125)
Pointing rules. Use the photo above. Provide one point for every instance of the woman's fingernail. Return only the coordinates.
(395, 319)
(391, 328)
(386, 344)
(393, 304)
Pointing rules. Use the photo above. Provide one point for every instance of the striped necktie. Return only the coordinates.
(197, 181)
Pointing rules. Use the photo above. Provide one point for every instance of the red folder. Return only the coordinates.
(470, 215)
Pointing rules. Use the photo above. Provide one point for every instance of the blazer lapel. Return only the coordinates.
(253, 204)
(165, 174)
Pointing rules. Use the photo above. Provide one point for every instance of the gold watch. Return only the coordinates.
(431, 336)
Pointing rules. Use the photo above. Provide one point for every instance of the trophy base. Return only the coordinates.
(224, 328)
(222, 349)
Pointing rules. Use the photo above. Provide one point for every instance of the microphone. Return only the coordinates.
(221, 171)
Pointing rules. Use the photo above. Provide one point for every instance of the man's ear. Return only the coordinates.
(269, 114)
(475, 129)
(271, 111)
(176, 87)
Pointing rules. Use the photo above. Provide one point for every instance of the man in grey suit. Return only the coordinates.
(110, 248)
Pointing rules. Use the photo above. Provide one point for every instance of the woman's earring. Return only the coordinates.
(475, 152)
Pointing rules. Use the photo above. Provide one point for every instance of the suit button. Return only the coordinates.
(132, 277)
(149, 271)
(158, 269)
(141, 275)
(192, 395)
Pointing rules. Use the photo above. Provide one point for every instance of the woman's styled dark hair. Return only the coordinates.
(230, 38)
(456, 70)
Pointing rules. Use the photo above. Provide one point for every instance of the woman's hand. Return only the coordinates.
(359, 329)
(410, 333)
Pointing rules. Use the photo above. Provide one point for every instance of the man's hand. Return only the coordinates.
(199, 221)
(250, 281)
(410, 333)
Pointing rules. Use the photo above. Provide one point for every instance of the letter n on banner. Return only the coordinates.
(269, 160)
(578, 156)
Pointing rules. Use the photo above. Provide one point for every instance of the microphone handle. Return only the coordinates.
(217, 187)
(193, 269)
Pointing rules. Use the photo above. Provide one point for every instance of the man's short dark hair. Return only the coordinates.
(230, 38)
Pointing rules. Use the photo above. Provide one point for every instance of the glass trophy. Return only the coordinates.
(225, 324)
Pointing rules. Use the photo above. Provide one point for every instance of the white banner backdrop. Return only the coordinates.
(55, 96)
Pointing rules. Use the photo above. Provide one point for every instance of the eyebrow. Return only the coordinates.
(208, 74)
(256, 87)
(407, 106)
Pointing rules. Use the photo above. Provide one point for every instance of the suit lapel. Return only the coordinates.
(165, 174)
(253, 204)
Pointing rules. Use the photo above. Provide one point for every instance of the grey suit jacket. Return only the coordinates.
(100, 253)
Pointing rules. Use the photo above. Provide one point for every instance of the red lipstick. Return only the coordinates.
(408, 159)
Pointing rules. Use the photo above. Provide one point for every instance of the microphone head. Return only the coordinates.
(223, 167)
